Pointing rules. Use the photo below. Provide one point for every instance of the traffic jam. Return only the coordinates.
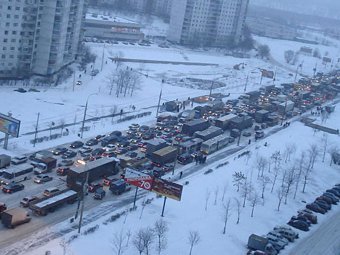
(114, 162)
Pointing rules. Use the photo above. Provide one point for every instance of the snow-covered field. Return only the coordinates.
(63, 104)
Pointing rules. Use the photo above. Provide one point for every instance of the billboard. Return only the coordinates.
(168, 189)
(138, 179)
(9, 125)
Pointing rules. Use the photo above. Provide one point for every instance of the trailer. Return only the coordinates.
(165, 155)
(195, 125)
(14, 217)
(209, 133)
(17, 171)
(49, 204)
(224, 121)
(154, 145)
(215, 144)
(285, 107)
(241, 122)
(95, 170)
(5, 160)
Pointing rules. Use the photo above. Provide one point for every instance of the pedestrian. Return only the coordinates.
(204, 159)
(265, 144)
(249, 142)
(180, 174)
(79, 75)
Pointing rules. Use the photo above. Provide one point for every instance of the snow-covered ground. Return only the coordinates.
(63, 104)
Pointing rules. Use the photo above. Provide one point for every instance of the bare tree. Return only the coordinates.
(50, 126)
(289, 181)
(264, 181)
(226, 214)
(290, 149)
(118, 243)
(112, 81)
(160, 229)
(238, 179)
(246, 189)
(289, 56)
(280, 192)
(306, 174)
(216, 194)
(238, 209)
(324, 145)
(207, 196)
(313, 153)
(147, 239)
(332, 150)
(62, 123)
(254, 199)
(193, 239)
(261, 163)
(138, 241)
(225, 187)
(277, 165)
(301, 163)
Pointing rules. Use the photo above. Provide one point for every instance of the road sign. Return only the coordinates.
(138, 179)
(168, 189)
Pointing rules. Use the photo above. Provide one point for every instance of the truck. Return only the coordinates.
(14, 217)
(260, 243)
(165, 155)
(44, 165)
(5, 160)
(3, 208)
(18, 172)
(209, 133)
(154, 145)
(224, 121)
(191, 127)
(119, 186)
(45, 205)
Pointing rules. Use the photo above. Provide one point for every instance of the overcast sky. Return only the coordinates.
(317, 7)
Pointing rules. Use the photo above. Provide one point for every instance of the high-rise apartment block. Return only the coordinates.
(207, 22)
(38, 36)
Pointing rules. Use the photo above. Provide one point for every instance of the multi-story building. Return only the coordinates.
(38, 36)
(207, 22)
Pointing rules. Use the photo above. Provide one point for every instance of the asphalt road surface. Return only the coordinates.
(323, 241)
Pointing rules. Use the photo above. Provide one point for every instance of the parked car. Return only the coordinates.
(277, 243)
(116, 133)
(19, 160)
(310, 216)
(50, 191)
(59, 151)
(91, 142)
(299, 224)
(42, 179)
(132, 154)
(85, 150)
(334, 192)
(99, 194)
(335, 200)
(246, 134)
(94, 72)
(97, 152)
(65, 162)
(324, 198)
(93, 187)
(302, 218)
(62, 170)
(26, 200)
(315, 208)
(76, 144)
(12, 187)
(184, 159)
(99, 137)
(69, 154)
(323, 204)
(277, 235)
(287, 232)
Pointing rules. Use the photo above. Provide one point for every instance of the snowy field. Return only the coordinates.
(197, 211)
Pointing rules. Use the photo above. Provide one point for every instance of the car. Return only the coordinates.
(301, 217)
(132, 154)
(50, 191)
(324, 198)
(276, 242)
(99, 137)
(107, 180)
(323, 204)
(59, 150)
(116, 133)
(108, 140)
(19, 160)
(168, 167)
(65, 162)
(335, 200)
(246, 134)
(85, 150)
(277, 235)
(69, 154)
(3, 208)
(62, 170)
(310, 216)
(134, 126)
(12, 187)
(92, 142)
(121, 151)
(334, 192)
(76, 144)
(26, 200)
(184, 159)
(79, 83)
(99, 193)
(287, 232)
(94, 72)
(92, 187)
(97, 152)
(143, 128)
(42, 178)
(299, 224)
(132, 147)
(315, 208)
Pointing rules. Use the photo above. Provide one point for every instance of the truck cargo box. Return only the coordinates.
(14, 217)
(164, 155)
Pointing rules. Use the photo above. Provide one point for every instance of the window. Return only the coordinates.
(17, 8)
(13, 40)
(5, 40)
(3, 56)
(4, 48)
(12, 48)
(14, 32)
(6, 32)
(16, 16)
(9, 7)
(7, 24)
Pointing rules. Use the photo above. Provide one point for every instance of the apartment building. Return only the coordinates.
(38, 36)
(207, 22)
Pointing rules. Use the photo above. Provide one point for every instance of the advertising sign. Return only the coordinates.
(9, 125)
(138, 179)
(168, 189)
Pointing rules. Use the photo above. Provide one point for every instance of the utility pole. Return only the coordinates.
(245, 85)
(83, 122)
(74, 80)
(101, 69)
(211, 88)
(159, 102)
(36, 130)
(83, 197)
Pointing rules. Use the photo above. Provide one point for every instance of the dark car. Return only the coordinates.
(302, 218)
(69, 154)
(108, 140)
(335, 200)
(99, 137)
(107, 180)
(311, 217)
(26, 200)
(85, 150)
(324, 198)
(121, 151)
(132, 147)
(62, 171)
(99, 194)
(12, 187)
(168, 167)
(158, 172)
(76, 144)
(116, 133)
(91, 142)
(42, 179)
(65, 162)
(323, 204)
(59, 151)
(97, 152)
(299, 224)
(132, 154)
(334, 192)
(315, 208)
(94, 186)
(143, 128)
(184, 159)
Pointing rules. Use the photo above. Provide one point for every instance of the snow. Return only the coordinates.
(62, 103)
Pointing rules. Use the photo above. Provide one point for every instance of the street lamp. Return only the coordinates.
(83, 123)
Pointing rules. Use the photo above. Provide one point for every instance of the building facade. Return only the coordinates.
(207, 22)
(38, 36)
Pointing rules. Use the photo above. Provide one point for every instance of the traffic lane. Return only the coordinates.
(324, 240)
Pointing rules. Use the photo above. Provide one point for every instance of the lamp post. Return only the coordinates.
(83, 122)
